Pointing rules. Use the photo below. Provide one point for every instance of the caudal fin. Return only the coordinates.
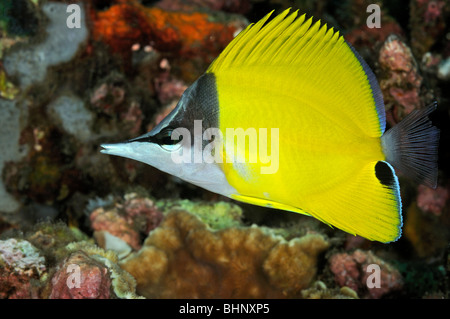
(412, 146)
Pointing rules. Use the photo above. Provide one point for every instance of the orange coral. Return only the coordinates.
(184, 258)
(188, 29)
(127, 23)
(120, 26)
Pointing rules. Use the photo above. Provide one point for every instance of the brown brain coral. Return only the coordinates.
(184, 258)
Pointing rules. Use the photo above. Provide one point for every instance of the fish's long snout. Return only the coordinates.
(105, 148)
(123, 149)
(112, 149)
(143, 152)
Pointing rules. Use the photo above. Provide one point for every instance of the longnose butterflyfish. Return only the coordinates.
(289, 116)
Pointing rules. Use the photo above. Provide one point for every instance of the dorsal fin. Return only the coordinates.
(279, 41)
(298, 49)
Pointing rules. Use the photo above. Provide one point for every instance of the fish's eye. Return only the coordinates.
(165, 139)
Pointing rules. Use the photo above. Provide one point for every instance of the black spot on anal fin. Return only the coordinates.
(385, 174)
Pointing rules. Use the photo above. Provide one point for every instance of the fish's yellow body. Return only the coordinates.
(307, 124)
(306, 81)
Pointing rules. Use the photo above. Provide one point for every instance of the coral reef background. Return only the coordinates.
(78, 224)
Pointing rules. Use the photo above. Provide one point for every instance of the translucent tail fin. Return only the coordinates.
(412, 146)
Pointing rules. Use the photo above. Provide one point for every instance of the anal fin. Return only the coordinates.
(267, 203)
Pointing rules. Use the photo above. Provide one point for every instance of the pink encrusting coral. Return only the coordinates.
(81, 277)
(432, 200)
(428, 23)
(358, 270)
(400, 80)
(106, 97)
(127, 220)
(143, 213)
(170, 90)
(89, 272)
(112, 221)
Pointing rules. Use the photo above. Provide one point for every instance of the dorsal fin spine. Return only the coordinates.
(251, 34)
(263, 46)
(309, 35)
(283, 38)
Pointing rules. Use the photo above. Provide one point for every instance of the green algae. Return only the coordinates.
(217, 216)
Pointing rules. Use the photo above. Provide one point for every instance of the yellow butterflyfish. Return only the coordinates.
(289, 116)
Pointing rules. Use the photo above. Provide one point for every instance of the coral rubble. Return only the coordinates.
(20, 263)
(54, 261)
